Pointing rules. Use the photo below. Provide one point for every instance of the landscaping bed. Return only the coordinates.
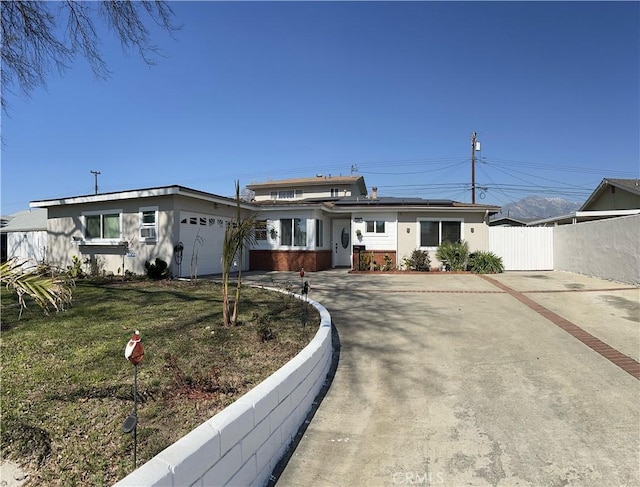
(67, 388)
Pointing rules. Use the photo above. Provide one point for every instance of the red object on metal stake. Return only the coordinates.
(301, 273)
(134, 352)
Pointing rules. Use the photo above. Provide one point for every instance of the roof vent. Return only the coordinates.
(374, 193)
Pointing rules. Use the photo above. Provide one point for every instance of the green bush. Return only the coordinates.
(454, 255)
(158, 270)
(75, 271)
(264, 329)
(484, 262)
(418, 261)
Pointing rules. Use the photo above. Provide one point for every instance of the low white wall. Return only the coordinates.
(608, 249)
(242, 444)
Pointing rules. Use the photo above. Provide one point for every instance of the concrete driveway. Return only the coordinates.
(527, 379)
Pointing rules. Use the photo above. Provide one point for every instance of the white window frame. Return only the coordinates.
(439, 221)
(286, 194)
(293, 232)
(101, 240)
(148, 226)
(319, 228)
(375, 227)
(260, 228)
(335, 192)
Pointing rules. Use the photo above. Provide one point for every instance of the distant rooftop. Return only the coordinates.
(27, 221)
(319, 179)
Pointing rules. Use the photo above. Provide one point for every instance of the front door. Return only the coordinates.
(341, 243)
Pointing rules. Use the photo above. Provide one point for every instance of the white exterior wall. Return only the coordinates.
(243, 443)
(30, 246)
(474, 230)
(608, 249)
(310, 191)
(273, 221)
(375, 241)
(66, 229)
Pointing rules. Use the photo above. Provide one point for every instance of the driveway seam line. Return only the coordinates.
(616, 357)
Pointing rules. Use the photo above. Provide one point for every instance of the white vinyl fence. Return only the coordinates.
(523, 248)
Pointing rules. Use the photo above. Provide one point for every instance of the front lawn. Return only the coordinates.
(67, 388)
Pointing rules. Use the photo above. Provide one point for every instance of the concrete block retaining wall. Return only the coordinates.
(242, 444)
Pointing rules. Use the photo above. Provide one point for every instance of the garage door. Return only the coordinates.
(202, 236)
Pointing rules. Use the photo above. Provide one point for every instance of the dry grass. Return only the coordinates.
(67, 389)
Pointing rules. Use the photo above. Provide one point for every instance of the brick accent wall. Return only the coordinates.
(378, 256)
(289, 260)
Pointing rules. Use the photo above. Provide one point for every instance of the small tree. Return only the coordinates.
(237, 235)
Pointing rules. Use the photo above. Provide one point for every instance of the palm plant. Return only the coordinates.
(454, 254)
(38, 284)
(237, 235)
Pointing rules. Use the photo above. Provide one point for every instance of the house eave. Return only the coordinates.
(138, 194)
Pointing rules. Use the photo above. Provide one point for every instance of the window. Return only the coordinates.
(319, 233)
(287, 194)
(102, 225)
(260, 229)
(375, 226)
(148, 220)
(293, 231)
(335, 192)
(433, 233)
(451, 231)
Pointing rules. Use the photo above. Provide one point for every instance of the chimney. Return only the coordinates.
(374, 193)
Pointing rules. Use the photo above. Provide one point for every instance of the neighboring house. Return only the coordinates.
(612, 198)
(321, 187)
(506, 221)
(315, 223)
(120, 231)
(24, 236)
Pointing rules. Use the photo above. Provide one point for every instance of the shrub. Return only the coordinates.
(418, 261)
(367, 262)
(264, 329)
(158, 270)
(388, 263)
(74, 270)
(454, 255)
(484, 262)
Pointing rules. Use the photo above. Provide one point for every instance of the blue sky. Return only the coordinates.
(391, 91)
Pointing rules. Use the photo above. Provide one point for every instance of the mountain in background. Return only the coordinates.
(538, 208)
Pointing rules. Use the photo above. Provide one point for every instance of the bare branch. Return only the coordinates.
(32, 47)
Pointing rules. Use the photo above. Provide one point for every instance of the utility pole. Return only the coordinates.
(95, 175)
(473, 168)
